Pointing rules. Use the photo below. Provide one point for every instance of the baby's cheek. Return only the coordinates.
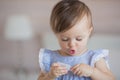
(62, 45)
(64, 48)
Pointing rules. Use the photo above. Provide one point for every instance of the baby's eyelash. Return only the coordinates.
(65, 39)
(79, 39)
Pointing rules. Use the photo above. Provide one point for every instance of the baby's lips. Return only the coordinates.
(72, 51)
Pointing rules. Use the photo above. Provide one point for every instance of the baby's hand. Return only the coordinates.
(57, 70)
(82, 70)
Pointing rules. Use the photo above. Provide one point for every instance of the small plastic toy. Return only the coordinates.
(66, 65)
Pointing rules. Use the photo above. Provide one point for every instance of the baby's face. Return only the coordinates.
(74, 41)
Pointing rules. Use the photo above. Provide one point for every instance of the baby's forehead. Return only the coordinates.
(82, 23)
(84, 20)
(72, 35)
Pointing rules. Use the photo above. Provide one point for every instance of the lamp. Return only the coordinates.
(18, 29)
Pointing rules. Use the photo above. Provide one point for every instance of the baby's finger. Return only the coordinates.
(61, 69)
(64, 72)
(74, 67)
(55, 64)
(76, 70)
(79, 73)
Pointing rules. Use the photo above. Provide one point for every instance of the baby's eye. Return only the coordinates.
(78, 39)
(65, 39)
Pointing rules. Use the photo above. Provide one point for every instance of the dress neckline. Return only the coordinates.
(58, 53)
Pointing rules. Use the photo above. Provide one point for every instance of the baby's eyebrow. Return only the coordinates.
(64, 36)
(80, 36)
(77, 36)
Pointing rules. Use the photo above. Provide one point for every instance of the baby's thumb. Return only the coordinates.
(55, 64)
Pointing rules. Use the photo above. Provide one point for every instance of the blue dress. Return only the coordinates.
(48, 57)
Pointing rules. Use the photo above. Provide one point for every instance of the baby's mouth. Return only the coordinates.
(72, 51)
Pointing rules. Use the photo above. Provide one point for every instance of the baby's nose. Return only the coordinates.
(71, 44)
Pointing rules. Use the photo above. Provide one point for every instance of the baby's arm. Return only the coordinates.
(101, 71)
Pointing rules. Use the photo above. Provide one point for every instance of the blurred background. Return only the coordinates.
(25, 28)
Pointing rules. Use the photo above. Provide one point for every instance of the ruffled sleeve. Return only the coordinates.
(44, 60)
(98, 54)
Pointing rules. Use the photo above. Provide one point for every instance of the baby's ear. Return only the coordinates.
(90, 31)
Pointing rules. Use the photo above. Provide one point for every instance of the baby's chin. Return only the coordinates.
(72, 53)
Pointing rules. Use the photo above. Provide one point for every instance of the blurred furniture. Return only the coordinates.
(18, 28)
(18, 64)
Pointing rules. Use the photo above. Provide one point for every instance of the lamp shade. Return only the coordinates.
(18, 27)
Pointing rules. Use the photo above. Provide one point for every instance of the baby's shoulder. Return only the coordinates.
(45, 59)
(45, 55)
(100, 52)
(46, 51)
